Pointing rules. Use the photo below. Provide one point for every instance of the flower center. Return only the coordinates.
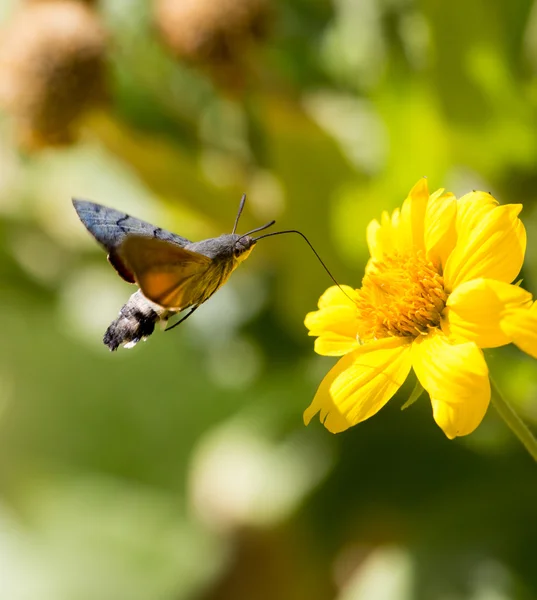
(401, 295)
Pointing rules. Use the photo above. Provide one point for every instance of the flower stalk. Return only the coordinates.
(513, 420)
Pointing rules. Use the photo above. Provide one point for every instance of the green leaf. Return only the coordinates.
(416, 393)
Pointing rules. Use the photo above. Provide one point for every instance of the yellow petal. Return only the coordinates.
(381, 236)
(411, 223)
(475, 310)
(491, 241)
(335, 323)
(413, 214)
(337, 328)
(456, 378)
(361, 383)
(338, 296)
(374, 241)
(472, 207)
(521, 328)
(440, 231)
(403, 231)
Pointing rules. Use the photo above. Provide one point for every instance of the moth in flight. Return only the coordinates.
(173, 274)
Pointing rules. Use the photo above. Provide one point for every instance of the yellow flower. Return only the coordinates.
(436, 290)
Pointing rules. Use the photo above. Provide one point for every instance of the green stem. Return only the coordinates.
(510, 416)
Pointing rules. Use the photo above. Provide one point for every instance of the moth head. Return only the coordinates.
(243, 244)
(242, 247)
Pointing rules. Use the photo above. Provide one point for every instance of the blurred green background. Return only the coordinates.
(181, 469)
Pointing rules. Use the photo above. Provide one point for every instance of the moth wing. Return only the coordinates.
(111, 227)
(167, 274)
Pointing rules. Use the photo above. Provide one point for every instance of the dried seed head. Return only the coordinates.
(89, 2)
(216, 35)
(52, 69)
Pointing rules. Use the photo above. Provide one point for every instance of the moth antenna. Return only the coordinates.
(314, 252)
(241, 206)
(266, 226)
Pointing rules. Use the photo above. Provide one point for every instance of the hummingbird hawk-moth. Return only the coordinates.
(172, 273)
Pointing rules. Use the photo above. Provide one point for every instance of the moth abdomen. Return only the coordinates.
(136, 321)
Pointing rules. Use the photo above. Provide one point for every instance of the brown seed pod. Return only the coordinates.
(52, 70)
(90, 2)
(214, 34)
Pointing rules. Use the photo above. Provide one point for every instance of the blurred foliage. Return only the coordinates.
(181, 469)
